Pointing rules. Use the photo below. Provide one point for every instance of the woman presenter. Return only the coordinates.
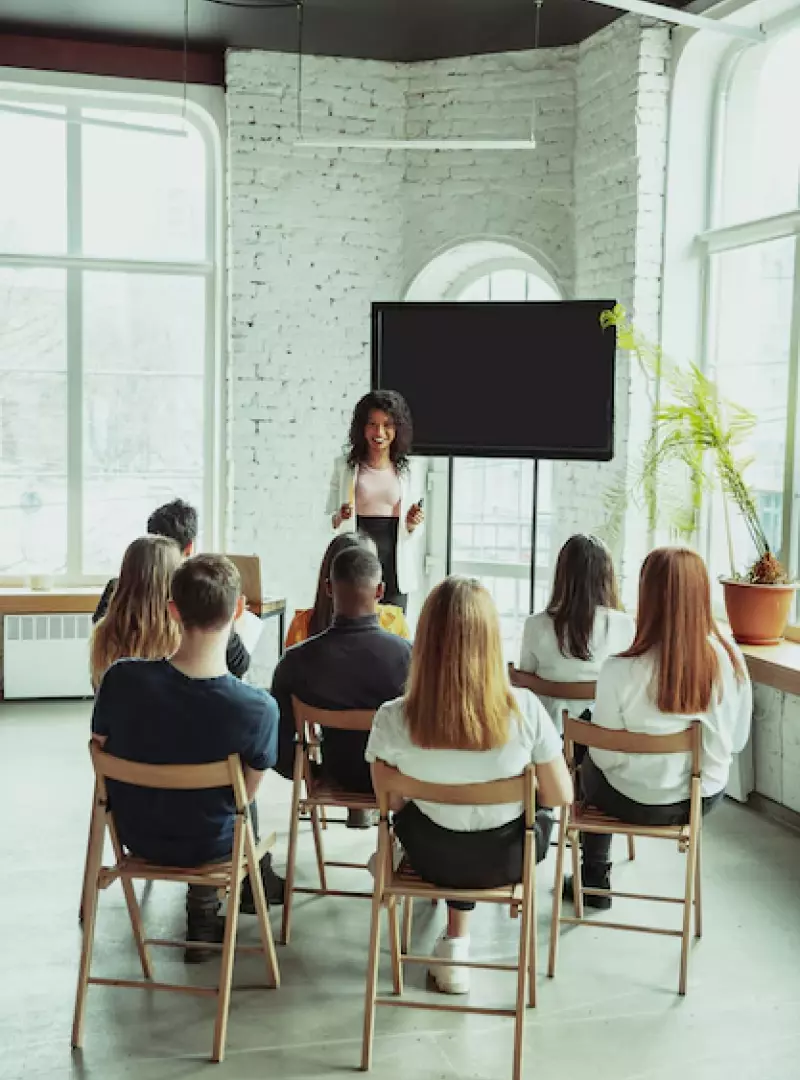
(371, 490)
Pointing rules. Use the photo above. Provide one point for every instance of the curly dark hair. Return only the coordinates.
(388, 401)
(176, 520)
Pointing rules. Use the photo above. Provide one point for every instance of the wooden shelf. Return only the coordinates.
(775, 665)
(50, 602)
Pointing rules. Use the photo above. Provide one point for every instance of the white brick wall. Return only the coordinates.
(619, 173)
(315, 236)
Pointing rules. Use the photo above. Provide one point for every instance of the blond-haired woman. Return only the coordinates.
(461, 722)
(679, 668)
(137, 622)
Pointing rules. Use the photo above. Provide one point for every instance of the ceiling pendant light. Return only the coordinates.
(424, 143)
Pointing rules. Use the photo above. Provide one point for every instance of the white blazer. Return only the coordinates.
(409, 550)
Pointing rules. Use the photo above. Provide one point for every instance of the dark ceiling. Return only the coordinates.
(379, 29)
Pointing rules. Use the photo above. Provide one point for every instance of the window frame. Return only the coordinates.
(201, 109)
(716, 239)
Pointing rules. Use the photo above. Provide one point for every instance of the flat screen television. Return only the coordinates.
(522, 380)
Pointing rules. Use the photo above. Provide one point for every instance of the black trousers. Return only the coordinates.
(467, 860)
(384, 531)
(596, 791)
(202, 901)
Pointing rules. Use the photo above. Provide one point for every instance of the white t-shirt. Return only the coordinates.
(540, 654)
(626, 701)
(532, 739)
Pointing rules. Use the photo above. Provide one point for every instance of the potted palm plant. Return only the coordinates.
(692, 451)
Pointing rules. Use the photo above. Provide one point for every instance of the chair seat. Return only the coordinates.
(590, 819)
(405, 878)
(216, 873)
(323, 793)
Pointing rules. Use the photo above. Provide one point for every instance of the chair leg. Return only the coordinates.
(229, 943)
(291, 862)
(134, 911)
(323, 817)
(533, 947)
(94, 857)
(262, 911)
(698, 889)
(523, 959)
(394, 946)
(408, 916)
(85, 882)
(577, 878)
(631, 848)
(372, 979)
(558, 888)
(319, 849)
(691, 869)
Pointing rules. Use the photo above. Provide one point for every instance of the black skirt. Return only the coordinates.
(384, 531)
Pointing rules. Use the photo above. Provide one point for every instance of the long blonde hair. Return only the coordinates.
(675, 621)
(459, 697)
(138, 622)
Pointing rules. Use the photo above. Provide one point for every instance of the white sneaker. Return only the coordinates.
(448, 979)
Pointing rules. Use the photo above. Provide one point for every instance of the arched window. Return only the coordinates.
(752, 255)
(108, 264)
(495, 535)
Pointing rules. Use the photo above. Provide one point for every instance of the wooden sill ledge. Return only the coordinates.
(775, 665)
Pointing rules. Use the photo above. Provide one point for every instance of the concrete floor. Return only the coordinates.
(612, 1011)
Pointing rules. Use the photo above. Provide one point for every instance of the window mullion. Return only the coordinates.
(789, 542)
(74, 355)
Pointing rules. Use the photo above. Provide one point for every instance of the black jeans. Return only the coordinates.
(467, 860)
(202, 901)
(595, 790)
(384, 532)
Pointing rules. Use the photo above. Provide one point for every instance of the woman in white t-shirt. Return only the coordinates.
(679, 668)
(459, 723)
(581, 627)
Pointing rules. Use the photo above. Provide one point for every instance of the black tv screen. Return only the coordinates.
(533, 380)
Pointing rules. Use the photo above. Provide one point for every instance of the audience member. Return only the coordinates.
(310, 621)
(354, 664)
(581, 626)
(137, 622)
(460, 722)
(183, 711)
(679, 668)
(178, 521)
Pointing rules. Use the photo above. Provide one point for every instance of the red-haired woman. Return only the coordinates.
(679, 668)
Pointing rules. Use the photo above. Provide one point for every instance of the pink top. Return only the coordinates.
(377, 492)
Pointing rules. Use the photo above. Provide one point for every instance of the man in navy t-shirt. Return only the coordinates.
(185, 711)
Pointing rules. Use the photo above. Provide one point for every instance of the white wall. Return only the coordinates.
(316, 236)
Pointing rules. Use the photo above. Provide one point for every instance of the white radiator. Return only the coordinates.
(46, 656)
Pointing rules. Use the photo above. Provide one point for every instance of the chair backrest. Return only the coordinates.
(687, 741)
(388, 781)
(307, 716)
(249, 567)
(566, 691)
(215, 774)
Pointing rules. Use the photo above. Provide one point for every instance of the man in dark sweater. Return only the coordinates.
(184, 711)
(354, 664)
(177, 520)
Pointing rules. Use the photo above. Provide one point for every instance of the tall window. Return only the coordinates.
(493, 499)
(107, 241)
(753, 271)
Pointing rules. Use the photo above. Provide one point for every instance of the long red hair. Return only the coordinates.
(675, 621)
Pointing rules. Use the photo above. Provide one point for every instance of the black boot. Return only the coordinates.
(594, 876)
(274, 888)
(202, 924)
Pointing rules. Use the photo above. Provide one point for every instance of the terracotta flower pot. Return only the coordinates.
(758, 614)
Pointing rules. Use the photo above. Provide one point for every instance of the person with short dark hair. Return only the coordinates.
(306, 623)
(177, 520)
(189, 710)
(354, 664)
(370, 490)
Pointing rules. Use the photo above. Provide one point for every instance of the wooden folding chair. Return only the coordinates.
(311, 795)
(225, 876)
(578, 818)
(573, 691)
(392, 885)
